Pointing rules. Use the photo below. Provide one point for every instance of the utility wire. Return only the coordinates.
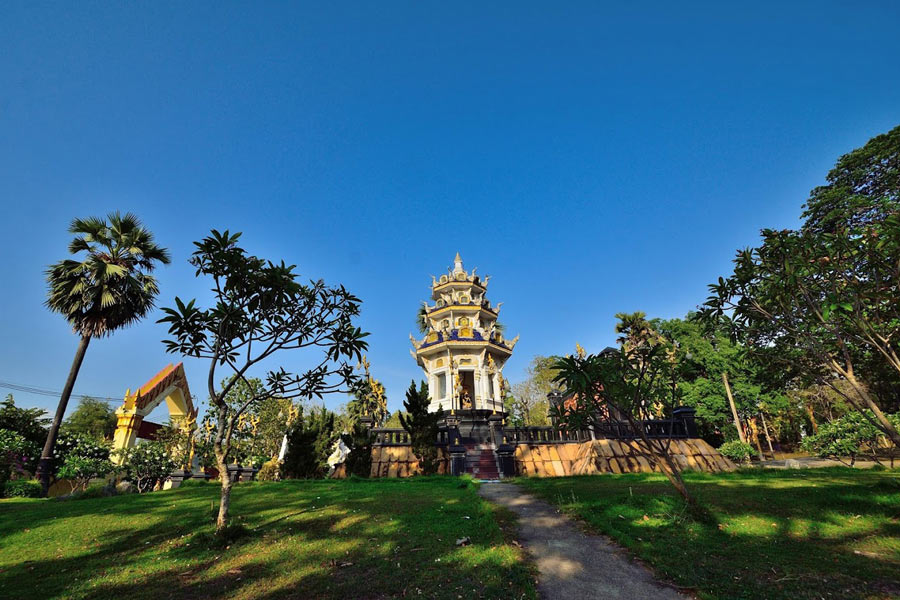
(30, 389)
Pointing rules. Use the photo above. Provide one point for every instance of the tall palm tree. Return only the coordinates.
(105, 289)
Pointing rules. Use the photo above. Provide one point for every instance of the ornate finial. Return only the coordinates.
(434, 281)
(579, 350)
(457, 264)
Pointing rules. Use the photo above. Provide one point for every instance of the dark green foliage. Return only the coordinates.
(310, 442)
(110, 287)
(20, 488)
(16, 454)
(820, 303)
(30, 423)
(422, 427)
(359, 461)
(92, 417)
(147, 464)
(702, 356)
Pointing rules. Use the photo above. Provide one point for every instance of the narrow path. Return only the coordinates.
(572, 564)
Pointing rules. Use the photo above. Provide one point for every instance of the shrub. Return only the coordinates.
(16, 452)
(98, 490)
(270, 471)
(737, 451)
(848, 437)
(22, 488)
(84, 458)
(83, 470)
(147, 464)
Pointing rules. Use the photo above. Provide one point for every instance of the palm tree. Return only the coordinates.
(422, 319)
(108, 289)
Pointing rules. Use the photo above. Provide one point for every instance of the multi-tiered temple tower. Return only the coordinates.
(464, 351)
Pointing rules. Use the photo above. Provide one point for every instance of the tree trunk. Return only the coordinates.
(45, 465)
(734, 413)
(663, 459)
(225, 496)
(754, 431)
(768, 437)
(812, 419)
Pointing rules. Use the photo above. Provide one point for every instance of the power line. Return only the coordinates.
(30, 389)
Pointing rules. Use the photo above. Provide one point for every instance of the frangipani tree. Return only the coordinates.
(634, 383)
(107, 287)
(261, 309)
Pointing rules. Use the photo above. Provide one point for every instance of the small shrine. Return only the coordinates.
(463, 351)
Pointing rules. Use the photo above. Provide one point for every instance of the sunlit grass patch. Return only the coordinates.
(310, 539)
(772, 534)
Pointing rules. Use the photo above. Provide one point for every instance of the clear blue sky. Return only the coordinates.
(591, 157)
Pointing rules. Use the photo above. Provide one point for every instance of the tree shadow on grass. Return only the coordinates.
(781, 535)
(310, 540)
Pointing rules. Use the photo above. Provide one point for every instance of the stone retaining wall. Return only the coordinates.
(558, 460)
(612, 456)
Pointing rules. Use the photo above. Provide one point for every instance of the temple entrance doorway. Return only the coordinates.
(467, 394)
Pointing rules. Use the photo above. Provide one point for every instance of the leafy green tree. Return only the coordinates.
(422, 426)
(822, 300)
(702, 356)
(92, 417)
(260, 310)
(30, 423)
(310, 443)
(528, 404)
(15, 453)
(635, 383)
(108, 287)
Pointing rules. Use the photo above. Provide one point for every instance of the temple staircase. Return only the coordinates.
(481, 461)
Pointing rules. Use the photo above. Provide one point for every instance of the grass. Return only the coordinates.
(818, 533)
(297, 539)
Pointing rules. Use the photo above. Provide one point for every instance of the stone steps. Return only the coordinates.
(481, 462)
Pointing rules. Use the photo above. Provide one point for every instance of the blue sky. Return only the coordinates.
(593, 158)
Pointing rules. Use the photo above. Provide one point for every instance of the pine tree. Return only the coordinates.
(422, 426)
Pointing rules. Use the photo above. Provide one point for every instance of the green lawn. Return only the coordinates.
(820, 533)
(316, 539)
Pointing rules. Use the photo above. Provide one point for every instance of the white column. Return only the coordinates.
(496, 385)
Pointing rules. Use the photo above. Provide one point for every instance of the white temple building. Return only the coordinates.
(463, 351)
